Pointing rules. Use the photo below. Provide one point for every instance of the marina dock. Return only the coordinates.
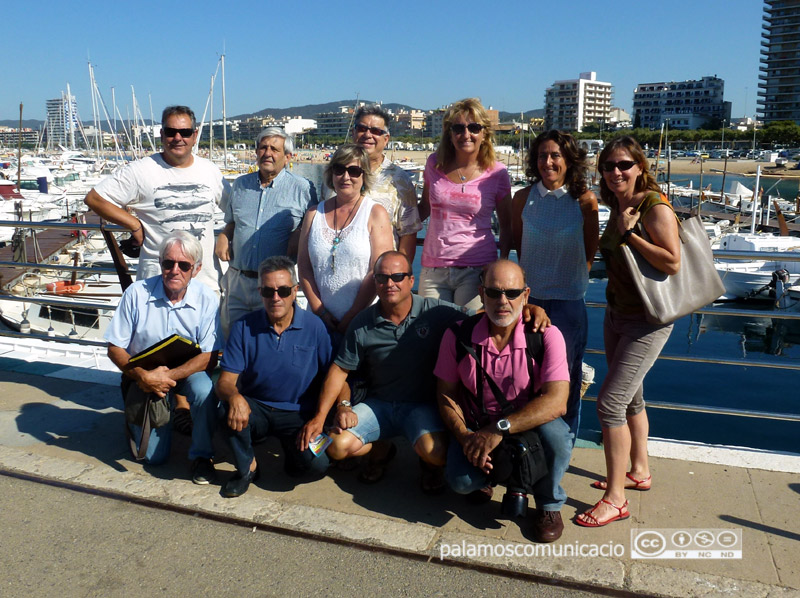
(63, 426)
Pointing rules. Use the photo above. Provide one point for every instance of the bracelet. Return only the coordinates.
(138, 229)
(323, 312)
(626, 235)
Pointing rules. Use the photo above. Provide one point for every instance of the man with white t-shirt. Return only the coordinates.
(170, 191)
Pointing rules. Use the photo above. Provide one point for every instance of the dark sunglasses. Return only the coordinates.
(283, 292)
(168, 265)
(396, 277)
(353, 171)
(495, 293)
(170, 132)
(623, 165)
(374, 130)
(459, 128)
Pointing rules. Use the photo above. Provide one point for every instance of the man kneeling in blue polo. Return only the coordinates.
(272, 369)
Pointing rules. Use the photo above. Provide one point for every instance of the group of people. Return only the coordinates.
(369, 360)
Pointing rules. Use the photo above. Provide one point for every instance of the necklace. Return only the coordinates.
(337, 232)
(463, 179)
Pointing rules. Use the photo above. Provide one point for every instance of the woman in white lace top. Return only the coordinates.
(340, 240)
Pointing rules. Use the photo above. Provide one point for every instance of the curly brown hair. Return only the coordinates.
(574, 156)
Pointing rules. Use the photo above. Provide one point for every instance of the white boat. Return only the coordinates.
(59, 306)
(763, 278)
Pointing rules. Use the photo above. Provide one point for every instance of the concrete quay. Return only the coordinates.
(63, 426)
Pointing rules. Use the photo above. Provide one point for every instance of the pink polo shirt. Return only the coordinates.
(507, 367)
(460, 228)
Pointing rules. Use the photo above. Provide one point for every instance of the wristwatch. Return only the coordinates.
(344, 404)
(503, 426)
(626, 235)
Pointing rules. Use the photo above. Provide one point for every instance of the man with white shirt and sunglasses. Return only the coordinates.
(272, 368)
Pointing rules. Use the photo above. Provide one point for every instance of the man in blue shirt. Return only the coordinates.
(272, 368)
(150, 311)
(263, 218)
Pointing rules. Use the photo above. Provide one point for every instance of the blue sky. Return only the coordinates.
(424, 54)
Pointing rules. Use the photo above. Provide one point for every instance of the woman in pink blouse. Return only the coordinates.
(464, 185)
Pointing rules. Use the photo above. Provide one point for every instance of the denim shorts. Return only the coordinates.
(379, 420)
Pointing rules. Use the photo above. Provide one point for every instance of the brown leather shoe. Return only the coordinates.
(547, 526)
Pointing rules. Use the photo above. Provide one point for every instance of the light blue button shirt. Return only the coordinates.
(265, 217)
(145, 316)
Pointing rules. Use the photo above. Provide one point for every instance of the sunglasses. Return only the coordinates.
(283, 292)
(374, 130)
(396, 277)
(495, 293)
(459, 128)
(353, 171)
(623, 165)
(168, 265)
(170, 132)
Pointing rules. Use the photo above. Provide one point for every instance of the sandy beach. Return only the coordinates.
(678, 165)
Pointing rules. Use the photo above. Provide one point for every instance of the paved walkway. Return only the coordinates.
(63, 424)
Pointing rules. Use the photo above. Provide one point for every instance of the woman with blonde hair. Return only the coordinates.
(464, 186)
(632, 344)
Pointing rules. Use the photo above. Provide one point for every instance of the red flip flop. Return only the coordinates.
(640, 485)
(622, 513)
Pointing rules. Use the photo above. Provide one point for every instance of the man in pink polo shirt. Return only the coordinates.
(474, 416)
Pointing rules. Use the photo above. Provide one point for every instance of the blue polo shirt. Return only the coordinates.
(265, 217)
(284, 370)
(145, 316)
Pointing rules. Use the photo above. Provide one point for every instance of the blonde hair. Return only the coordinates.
(473, 108)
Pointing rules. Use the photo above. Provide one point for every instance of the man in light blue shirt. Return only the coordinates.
(150, 311)
(263, 218)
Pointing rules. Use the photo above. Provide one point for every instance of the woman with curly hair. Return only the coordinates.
(464, 185)
(555, 231)
(632, 343)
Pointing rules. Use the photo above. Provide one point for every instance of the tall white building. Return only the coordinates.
(687, 104)
(572, 104)
(63, 125)
(779, 76)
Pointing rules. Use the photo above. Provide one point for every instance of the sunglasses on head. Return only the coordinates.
(459, 128)
(493, 293)
(623, 165)
(353, 171)
(374, 130)
(395, 276)
(170, 132)
(283, 292)
(168, 265)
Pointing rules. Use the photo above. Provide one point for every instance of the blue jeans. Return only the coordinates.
(557, 440)
(198, 390)
(570, 317)
(266, 421)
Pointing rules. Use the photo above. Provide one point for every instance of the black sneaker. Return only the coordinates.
(203, 471)
(238, 483)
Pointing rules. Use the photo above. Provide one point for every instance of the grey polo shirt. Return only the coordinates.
(398, 360)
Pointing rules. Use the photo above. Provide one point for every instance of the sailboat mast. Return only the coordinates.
(224, 118)
(211, 122)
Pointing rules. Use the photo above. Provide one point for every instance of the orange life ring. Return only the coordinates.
(61, 287)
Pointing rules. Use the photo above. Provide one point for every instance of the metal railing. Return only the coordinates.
(709, 310)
